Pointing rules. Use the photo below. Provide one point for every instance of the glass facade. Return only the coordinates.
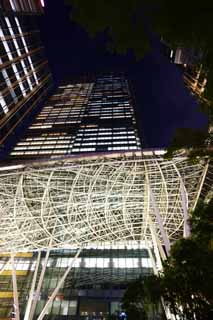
(25, 78)
(93, 287)
(25, 265)
(22, 6)
(83, 117)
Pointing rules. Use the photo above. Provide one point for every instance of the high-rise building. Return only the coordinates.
(92, 116)
(189, 62)
(100, 211)
(22, 6)
(25, 82)
(25, 79)
(182, 55)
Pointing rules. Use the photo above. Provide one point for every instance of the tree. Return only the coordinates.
(153, 292)
(201, 223)
(119, 19)
(130, 23)
(142, 298)
(133, 301)
(187, 24)
(187, 278)
(191, 139)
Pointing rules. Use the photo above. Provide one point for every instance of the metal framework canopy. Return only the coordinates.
(79, 200)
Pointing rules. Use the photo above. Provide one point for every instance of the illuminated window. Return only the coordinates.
(146, 263)
(12, 5)
(6, 47)
(18, 78)
(3, 104)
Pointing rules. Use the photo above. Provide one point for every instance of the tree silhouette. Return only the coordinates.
(188, 24)
(187, 278)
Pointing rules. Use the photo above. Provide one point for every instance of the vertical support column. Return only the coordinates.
(160, 222)
(32, 289)
(184, 202)
(201, 184)
(152, 257)
(186, 232)
(15, 291)
(37, 293)
(53, 295)
(159, 252)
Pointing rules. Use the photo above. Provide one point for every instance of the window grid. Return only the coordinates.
(79, 113)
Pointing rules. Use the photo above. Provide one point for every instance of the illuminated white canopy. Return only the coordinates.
(79, 200)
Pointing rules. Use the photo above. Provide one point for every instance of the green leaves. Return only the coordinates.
(201, 223)
(188, 24)
(187, 278)
(118, 19)
(132, 301)
(192, 140)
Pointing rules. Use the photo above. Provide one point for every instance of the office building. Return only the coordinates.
(22, 6)
(25, 82)
(92, 116)
(185, 56)
(189, 62)
(25, 79)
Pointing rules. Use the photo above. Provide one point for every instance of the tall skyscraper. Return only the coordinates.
(92, 116)
(25, 82)
(25, 79)
(99, 210)
(189, 62)
(22, 6)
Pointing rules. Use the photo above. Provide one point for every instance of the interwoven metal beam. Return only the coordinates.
(77, 201)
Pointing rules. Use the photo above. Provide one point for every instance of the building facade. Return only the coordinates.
(22, 6)
(25, 79)
(95, 116)
(93, 288)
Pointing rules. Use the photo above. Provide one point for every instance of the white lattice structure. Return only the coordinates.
(77, 201)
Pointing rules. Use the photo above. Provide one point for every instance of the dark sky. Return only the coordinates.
(163, 102)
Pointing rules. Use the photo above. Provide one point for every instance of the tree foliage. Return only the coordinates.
(133, 301)
(119, 19)
(193, 140)
(202, 224)
(128, 24)
(187, 279)
(188, 24)
(142, 299)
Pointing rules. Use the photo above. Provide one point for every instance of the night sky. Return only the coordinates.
(163, 102)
